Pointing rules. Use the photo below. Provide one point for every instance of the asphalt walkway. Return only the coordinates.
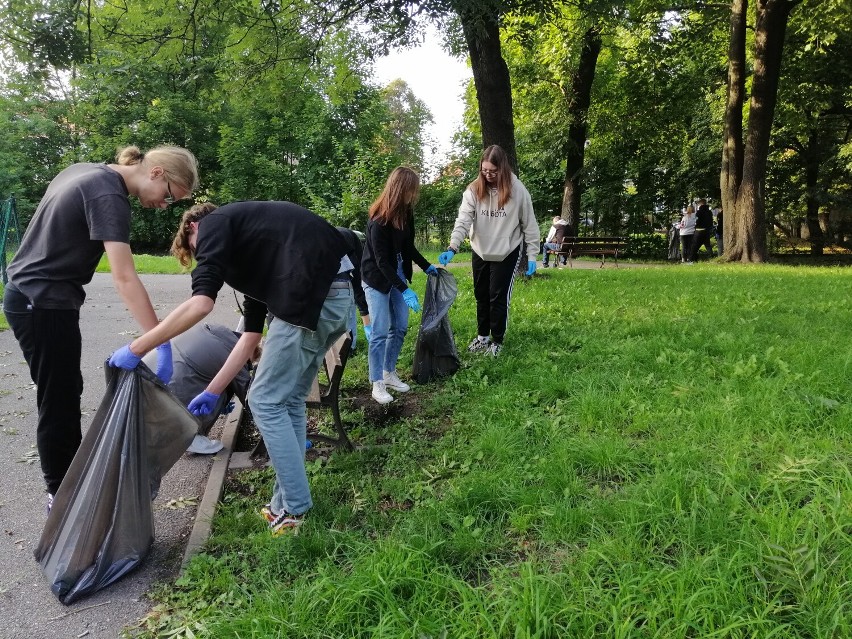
(28, 609)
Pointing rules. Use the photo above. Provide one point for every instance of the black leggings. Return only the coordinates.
(52, 346)
(492, 287)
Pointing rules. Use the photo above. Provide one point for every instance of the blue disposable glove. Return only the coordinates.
(203, 404)
(227, 409)
(410, 298)
(368, 331)
(531, 267)
(124, 358)
(431, 270)
(164, 362)
(446, 257)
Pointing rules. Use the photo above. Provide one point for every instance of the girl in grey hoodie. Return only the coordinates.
(496, 213)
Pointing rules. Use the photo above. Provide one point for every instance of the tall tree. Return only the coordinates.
(744, 162)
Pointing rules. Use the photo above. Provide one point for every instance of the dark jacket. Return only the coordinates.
(704, 217)
(355, 249)
(280, 255)
(562, 231)
(383, 244)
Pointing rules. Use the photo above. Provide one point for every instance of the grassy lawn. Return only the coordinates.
(657, 453)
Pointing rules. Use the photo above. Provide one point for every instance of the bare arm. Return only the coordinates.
(129, 286)
(185, 316)
(242, 352)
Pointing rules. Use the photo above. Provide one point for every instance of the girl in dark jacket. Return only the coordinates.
(385, 273)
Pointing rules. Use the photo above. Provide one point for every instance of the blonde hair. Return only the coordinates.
(398, 198)
(179, 165)
(180, 245)
(497, 156)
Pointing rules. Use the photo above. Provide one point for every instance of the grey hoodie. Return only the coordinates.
(495, 232)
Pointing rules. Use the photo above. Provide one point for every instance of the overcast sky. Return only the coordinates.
(436, 79)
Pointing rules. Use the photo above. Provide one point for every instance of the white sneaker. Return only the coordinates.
(380, 393)
(393, 382)
(201, 445)
(479, 344)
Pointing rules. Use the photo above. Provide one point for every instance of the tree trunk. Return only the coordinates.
(491, 79)
(732, 143)
(578, 97)
(812, 166)
(749, 243)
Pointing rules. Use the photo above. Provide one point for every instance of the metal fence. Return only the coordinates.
(10, 239)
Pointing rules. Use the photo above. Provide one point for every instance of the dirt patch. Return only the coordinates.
(358, 407)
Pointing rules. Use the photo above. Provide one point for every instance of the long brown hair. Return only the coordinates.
(397, 199)
(497, 156)
(180, 245)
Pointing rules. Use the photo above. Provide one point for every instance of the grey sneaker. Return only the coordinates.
(202, 445)
(479, 344)
(49, 502)
(494, 349)
(380, 393)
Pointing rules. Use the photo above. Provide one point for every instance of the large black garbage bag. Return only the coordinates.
(101, 525)
(674, 243)
(197, 356)
(435, 353)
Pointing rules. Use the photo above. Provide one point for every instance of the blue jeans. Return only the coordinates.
(290, 361)
(551, 246)
(389, 319)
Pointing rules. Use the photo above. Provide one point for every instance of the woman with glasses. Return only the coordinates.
(84, 213)
(497, 214)
(385, 273)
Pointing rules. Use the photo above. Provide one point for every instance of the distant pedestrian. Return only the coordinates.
(687, 230)
(84, 213)
(497, 213)
(703, 230)
(720, 235)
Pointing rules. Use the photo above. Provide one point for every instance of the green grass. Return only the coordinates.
(159, 264)
(657, 453)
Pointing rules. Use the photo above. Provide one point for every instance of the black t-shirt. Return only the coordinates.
(280, 255)
(83, 207)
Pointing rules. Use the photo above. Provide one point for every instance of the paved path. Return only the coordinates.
(27, 607)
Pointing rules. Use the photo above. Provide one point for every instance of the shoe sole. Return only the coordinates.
(399, 389)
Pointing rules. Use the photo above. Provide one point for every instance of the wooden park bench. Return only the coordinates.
(572, 247)
(327, 396)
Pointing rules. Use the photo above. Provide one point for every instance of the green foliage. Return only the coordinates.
(638, 462)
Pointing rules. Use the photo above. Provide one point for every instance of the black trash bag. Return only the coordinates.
(435, 353)
(101, 525)
(674, 243)
(197, 356)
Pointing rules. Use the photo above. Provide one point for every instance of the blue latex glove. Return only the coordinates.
(203, 404)
(410, 298)
(124, 358)
(164, 362)
(446, 257)
(431, 270)
(227, 409)
(368, 331)
(531, 267)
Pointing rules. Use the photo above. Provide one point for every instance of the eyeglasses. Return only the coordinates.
(169, 199)
(489, 171)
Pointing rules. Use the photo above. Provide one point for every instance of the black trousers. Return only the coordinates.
(701, 238)
(492, 287)
(52, 346)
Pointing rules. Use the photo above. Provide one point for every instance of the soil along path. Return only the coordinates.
(28, 609)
